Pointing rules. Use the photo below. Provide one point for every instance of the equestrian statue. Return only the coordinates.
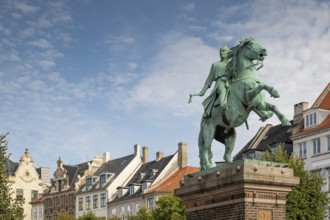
(238, 90)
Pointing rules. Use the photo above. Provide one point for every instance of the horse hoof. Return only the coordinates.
(286, 122)
(274, 94)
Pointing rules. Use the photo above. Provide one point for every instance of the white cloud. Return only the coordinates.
(46, 64)
(41, 43)
(25, 8)
(189, 7)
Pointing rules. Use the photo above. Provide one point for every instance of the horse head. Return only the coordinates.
(242, 56)
(252, 50)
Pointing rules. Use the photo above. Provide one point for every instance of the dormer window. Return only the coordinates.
(153, 172)
(103, 179)
(310, 119)
(131, 189)
(145, 184)
(141, 175)
(89, 182)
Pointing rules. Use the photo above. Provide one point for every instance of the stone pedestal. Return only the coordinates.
(244, 189)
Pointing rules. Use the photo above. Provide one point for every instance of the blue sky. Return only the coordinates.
(79, 78)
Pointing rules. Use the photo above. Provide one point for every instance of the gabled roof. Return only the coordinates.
(11, 167)
(114, 167)
(268, 136)
(322, 102)
(148, 167)
(148, 176)
(173, 182)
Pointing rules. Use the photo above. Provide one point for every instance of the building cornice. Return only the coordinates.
(312, 133)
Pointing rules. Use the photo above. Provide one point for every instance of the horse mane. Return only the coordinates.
(233, 55)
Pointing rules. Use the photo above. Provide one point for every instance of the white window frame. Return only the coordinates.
(310, 119)
(316, 146)
(302, 150)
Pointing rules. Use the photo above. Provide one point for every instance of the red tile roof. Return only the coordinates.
(323, 125)
(173, 182)
(322, 102)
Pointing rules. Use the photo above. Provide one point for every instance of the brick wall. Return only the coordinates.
(246, 211)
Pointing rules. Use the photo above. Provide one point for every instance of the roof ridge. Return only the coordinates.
(321, 97)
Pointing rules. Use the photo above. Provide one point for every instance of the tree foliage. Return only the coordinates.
(65, 216)
(169, 207)
(10, 209)
(90, 216)
(307, 201)
(142, 214)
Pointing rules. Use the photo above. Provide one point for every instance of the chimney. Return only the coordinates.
(298, 112)
(159, 155)
(137, 150)
(182, 155)
(145, 152)
(106, 157)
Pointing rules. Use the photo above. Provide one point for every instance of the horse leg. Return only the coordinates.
(228, 139)
(252, 93)
(206, 135)
(229, 142)
(269, 107)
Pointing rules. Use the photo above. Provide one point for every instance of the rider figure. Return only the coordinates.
(217, 74)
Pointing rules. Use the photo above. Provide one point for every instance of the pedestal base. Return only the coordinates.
(245, 189)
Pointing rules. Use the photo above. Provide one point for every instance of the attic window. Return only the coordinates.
(141, 175)
(89, 182)
(310, 119)
(103, 179)
(153, 172)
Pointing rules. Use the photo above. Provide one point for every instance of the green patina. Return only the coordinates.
(237, 92)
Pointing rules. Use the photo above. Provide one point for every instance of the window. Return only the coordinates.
(316, 146)
(114, 212)
(150, 203)
(95, 201)
(35, 213)
(302, 150)
(129, 209)
(88, 182)
(102, 180)
(88, 202)
(328, 139)
(40, 212)
(131, 189)
(103, 200)
(81, 203)
(19, 194)
(328, 178)
(34, 194)
(252, 155)
(311, 119)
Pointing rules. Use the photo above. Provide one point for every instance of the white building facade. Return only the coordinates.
(311, 136)
(101, 187)
(25, 182)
